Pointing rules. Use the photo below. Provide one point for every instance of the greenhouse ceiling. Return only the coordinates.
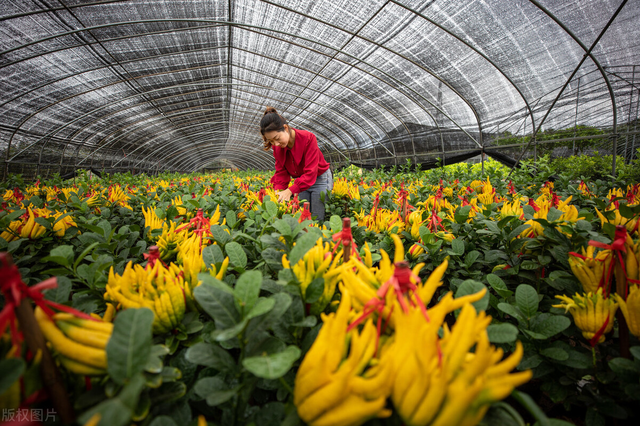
(181, 85)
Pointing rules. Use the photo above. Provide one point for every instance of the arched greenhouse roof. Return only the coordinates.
(181, 85)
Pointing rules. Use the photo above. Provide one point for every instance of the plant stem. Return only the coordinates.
(286, 385)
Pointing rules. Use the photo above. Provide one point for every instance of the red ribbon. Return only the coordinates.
(345, 238)
(306, 214)
(401, 283)
(594, 340)
(199, 224)
(15, 290)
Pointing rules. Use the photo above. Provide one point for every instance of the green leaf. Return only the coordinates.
(502, 333)
(472, 287)
(557, 354)
(336, 223)
(62, 255)
(283, 227)
(593, 418)
(154, 363)
(10, 371)
(263, 306)
(309, 321)
(471, 258)
(554, 214)
(271, 208)
(530, 362)
(84, 254)
(237, 256)
(16, 214)
(231, 218)
(220, 235)
(624, 367)
(163, 421)
(527, 300)
(314, 291)
(512, 311)
(457, 247)
(247, 290)
(119, 410)
(552, 325)
(499, 286)
(513, 234)
(215, 390)
(303, 245)
(106, 228)
(635, 351)
(211, 355)
(272, 366)
(130, 344)
(462, 214)
(212, 255)
(61, 293)
(555, 422)
(229, 333)
(218, 303)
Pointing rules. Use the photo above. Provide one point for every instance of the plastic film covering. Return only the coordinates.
(148, 86)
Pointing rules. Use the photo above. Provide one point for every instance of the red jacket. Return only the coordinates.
(304, 162)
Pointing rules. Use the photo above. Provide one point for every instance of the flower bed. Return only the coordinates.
(199, 297)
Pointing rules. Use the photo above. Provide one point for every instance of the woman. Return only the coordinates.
(297, 155)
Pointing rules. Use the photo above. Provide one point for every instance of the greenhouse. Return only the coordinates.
(293, 212)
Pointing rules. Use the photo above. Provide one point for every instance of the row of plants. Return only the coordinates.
(426, 298)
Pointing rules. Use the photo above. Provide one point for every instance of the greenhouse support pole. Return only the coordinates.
(615, 154)
(635, 126)
(584, 58)
(575, 122)
(626, 139)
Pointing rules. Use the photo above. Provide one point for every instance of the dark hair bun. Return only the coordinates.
(269, 110)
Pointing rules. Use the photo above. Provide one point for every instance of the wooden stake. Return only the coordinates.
(346, 242)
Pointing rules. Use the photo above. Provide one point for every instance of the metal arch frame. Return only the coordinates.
(244, 91)
(51, 133)
(206, 66)
(217, 122)
(485, 57)
(203, 49)
(206, 136)
(167, 97)
(130, 81)
(595, 61)
(54, 9)
(251, 28)
(385, 147)
(107, 40)
(242, 134)
(200, 124)
(465, 100)
(371, 121)
(633, 84)
(317, 73)
(77, 131)
(187, 161)
(230, 13)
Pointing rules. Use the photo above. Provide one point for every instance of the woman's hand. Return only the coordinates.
(284, 195)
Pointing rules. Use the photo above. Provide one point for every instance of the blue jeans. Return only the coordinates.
(324, 183)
